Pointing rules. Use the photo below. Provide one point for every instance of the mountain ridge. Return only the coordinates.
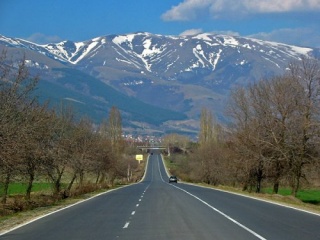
(179, 73)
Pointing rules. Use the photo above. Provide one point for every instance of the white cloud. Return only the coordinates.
(227, 32)
(43, 39)
(195, 31)
(269, 6)
(193, 9)
(305, 37)
(187, 10)
(191, 32)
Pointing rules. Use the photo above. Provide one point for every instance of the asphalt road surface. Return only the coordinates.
(156, 209)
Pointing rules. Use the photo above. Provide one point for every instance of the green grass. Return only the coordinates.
(308, 196)
(170, 163)
(20, 188)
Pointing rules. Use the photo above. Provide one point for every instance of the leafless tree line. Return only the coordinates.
(40, 143)
(273, 138)
(276, 126)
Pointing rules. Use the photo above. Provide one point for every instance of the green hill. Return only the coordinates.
(93, 98)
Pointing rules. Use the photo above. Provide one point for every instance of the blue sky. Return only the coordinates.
(42, 21)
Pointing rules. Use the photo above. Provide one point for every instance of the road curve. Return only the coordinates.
(155, 209)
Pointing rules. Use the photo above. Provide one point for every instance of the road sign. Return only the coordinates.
(139, 157)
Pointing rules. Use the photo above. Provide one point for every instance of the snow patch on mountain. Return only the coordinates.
(230, 41)
(294, 51)
(203, 36)
(158, 54)
(199, 54)
(119, 40)
(150, 50)
(216, 60)
(86, 50)
(34, 64)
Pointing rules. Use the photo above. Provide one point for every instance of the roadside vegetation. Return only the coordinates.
(271, 145)
(46, 155)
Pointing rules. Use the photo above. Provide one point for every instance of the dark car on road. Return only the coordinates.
(173, 179)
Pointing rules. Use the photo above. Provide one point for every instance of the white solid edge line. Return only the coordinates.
(243, 195)
(223, 214)
(215, 209)
(61, 209)
(255, 198)
(145, 170)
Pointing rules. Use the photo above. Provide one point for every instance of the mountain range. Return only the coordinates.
(160, 83)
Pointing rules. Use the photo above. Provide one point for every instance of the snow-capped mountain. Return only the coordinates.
(180, 73)
(147, 52)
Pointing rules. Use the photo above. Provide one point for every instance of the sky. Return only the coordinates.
(295, 22)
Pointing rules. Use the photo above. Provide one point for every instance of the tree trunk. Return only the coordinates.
(30, 183)
(276, 187)
(71, 182)
(81, 177)
(56, 180)
(128, 173)
(258, 188)
(6, 188)
(259, 174)
(296, 181)
(276, 182)
(98, 177)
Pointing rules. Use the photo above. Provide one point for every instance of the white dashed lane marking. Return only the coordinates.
(126, 225)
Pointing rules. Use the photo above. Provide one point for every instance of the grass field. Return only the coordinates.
(20, 188)
(308, 195)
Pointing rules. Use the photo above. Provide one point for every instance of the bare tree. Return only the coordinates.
(176, 141)
(83, 147)
(245, 132)
(60, 148)
(36, 135)
(209, 163)
(208, 131)
(16, 84)
(306, 129)
(276, 122)
(115, 128)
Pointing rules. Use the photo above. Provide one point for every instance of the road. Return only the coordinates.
(155, 209)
